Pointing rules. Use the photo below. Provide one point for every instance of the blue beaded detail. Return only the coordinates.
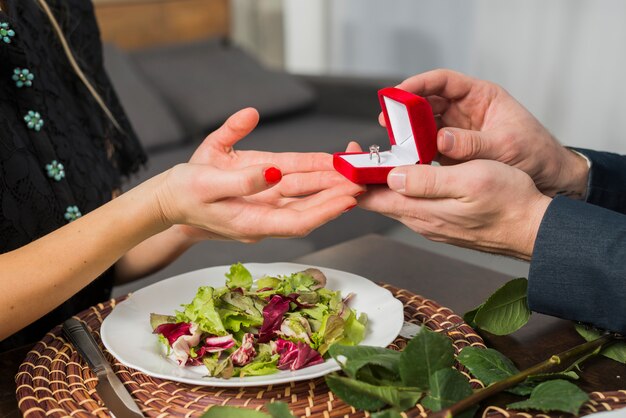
(72, 213)
(55, 170)
(6, 33)
(23, 77)
(33, 120)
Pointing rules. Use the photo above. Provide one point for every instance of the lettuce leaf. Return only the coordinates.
(238, 277)
(354, 330)
(235, 320)
(296, 283)
(202, 312)
(245, 304)
(331, 331)
(264, 363)
(268, 282)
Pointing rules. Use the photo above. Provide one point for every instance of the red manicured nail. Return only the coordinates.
(272, 175)
(349, 208)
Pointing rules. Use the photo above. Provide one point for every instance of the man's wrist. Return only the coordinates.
(536, 213)
(574, 175)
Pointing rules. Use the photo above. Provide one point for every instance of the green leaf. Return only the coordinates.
(233, 412)
(616, 351)
(554, 395)
(268, 282)
(506, 310)
(471, 315)
(486, 364)
(370, 397)
(426, 353)
(447, 387)
(259, 368)
(330, 332)
(239, 276)
(354, 330)
(278, 410)
(359, 356)
(201, 311)
(527, 386)
(490, 366)
(296, 283)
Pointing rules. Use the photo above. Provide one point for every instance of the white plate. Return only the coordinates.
(126, 332)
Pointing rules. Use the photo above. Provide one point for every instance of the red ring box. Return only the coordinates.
(412, 132)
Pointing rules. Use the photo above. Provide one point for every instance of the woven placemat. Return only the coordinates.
(54, 381)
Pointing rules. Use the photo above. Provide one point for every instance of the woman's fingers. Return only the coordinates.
(236, 127)
(319, 198)
(303, 184)
(220, 184)
(290, 222)
(289, 162)
(354, 146)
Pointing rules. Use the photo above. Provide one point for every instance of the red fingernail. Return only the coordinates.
(272, 175)
(349, 208)
(359, 194)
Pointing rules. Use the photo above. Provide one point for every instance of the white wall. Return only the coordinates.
(563, 59)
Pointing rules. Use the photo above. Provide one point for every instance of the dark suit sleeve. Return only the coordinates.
(607, 179)
(578, 267)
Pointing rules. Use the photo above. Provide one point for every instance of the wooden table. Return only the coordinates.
(454, 284)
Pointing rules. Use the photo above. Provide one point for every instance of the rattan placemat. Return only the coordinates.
(54, 381)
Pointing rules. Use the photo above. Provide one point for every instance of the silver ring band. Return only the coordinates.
(375, 149)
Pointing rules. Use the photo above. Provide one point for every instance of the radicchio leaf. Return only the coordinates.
(273, 314)
(173, 331)
(212, 345)
(296, 356)
(181, 347)
(244, 354)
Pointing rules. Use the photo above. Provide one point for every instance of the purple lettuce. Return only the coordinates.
(294, 356)
(273, 314)
(173, 331)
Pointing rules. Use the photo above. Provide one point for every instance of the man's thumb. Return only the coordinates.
(463, 145)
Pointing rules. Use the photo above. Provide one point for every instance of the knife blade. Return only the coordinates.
(109, 387)
(409, 330)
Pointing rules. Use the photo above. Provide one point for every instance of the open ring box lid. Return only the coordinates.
(412, 132)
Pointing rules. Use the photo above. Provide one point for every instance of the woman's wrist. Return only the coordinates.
(144, 206)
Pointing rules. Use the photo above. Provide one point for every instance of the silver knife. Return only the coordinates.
(409, 330)
(109, 387)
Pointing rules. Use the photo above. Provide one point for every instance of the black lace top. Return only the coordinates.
(60, 156)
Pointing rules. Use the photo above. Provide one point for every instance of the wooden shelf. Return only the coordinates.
(132, 24)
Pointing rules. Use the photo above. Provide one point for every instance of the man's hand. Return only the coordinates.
(480, 120)
(484, 205)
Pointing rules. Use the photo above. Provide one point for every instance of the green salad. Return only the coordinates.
(248, 328)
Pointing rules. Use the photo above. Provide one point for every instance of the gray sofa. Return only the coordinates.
(175, 95)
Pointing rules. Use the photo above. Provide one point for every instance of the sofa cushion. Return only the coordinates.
(205, 82)
(149, 114)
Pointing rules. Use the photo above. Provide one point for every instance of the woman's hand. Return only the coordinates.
(226, 204)
(199, 205)
(481, 120)
(481, 204)
(308, 178)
